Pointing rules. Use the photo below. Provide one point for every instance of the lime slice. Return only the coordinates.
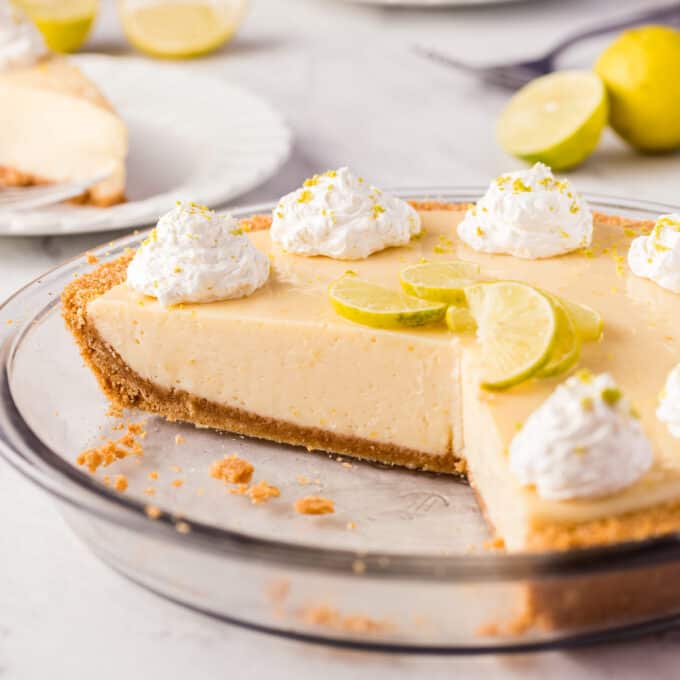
(181, 29)
(460, 320)
(556, 119)
(373, 305)
(64, 25)
(441, 281)
(517, 328)
(587, 321)
(567, 347)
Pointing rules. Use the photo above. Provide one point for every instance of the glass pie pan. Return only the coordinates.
(404, 564)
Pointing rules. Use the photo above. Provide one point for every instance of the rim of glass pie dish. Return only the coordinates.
(27, 453)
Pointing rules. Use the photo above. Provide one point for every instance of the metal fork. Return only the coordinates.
(25, 198)
(514, 75)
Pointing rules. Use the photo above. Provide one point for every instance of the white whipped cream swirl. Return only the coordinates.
(657, 256)
(528, 214)
(20, 41)
(669, 406)
(583, 441)
(341, 216)
(197, 255)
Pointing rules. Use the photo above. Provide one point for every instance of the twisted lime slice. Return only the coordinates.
(517, 328)
(441, 281)
(372, 305)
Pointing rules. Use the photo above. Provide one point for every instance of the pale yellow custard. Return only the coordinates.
(285, 355)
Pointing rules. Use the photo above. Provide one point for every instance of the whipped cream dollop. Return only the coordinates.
(657, 256)
(197, 255)
(20, 41)
(528, 214)
(342, 216)
(583, 441)
(668, 411)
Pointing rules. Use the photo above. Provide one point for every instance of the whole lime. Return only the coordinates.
(641, 71)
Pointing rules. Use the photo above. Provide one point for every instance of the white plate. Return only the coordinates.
(192, 137)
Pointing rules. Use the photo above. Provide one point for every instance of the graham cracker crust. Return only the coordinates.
(11, 177)
(127, 389)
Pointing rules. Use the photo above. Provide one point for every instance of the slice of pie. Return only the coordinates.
(56, 126)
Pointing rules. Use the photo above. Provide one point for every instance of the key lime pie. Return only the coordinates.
(508, 341)
(55, 125)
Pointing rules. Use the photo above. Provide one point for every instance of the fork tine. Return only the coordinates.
(447, 60)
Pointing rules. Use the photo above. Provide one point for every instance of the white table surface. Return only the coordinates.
(354, 94)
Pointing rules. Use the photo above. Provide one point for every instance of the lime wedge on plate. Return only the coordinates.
(556, 119)
(567, 347)
(372, 305)
(517, 328)
(441, 281)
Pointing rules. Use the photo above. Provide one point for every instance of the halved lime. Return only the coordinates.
(460, 320)
(372, 305)
(441, 281)
(179, 30)
(587, 321)
(567, 347)
(517, 328)
(556, 119)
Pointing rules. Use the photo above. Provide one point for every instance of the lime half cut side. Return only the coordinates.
(440, 281)
(516, 327)
(373, 305)
(556, 119)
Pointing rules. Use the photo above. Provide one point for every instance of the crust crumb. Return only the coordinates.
(91, 258)
(495, 543)
(177, 483)
(278, 590)
(262, 492)
(120, 483)
(427, 206)
(152, 511)
(182, 527)
(112, 450)
(179, 439)
(150, 491)
(303, 480)
(330, 617)
(314, 505)
(240, 490)
(350, 526)
(256, 223)
(153, 475)
(233, 470)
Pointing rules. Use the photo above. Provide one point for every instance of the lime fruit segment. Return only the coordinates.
(567, 347)
(556, 119)
(517, 328)
(440, 281)
(372, 305)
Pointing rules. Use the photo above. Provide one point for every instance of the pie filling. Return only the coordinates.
(283, 354)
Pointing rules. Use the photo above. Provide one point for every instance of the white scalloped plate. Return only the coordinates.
(192, 137)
